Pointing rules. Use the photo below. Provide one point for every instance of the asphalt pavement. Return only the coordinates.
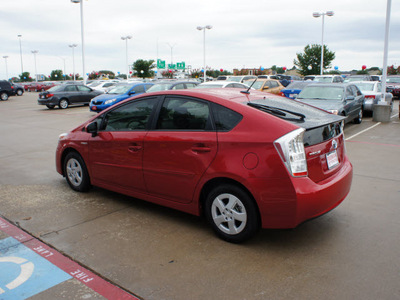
(137, 250)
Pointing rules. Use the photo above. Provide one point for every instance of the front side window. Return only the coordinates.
(179, 86)
(183, 114)
(139, 89)
(132, 116)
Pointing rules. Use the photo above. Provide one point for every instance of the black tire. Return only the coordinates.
(3, 96)
(232, 213)
(63, 104)
(358, 120)
(50, 106)
(20, 92)
(76, 173)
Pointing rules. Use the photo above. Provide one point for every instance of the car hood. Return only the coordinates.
(323, 104)
(105, 97)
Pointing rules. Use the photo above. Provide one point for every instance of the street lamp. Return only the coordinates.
(126, 38)
(204, 46)
(20, 52)
(172, 47)
(34, 56)
(5, 58)
(73, 59)
(317, 15)
(83, 40)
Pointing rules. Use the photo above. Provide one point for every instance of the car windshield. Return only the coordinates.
(56, 88)
(393, 80)
(349, 79)
(160, 87)
(323, 79)
(365, 86)
(209, 86)
(120, 89)
(236, 79)
(321, 92)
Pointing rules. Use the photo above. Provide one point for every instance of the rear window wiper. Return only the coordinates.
(280, 112)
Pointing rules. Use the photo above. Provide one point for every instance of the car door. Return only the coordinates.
(180, 149)
(85, 94)
(351, 107)
(359, 98)
(71, 92)
(116, 151)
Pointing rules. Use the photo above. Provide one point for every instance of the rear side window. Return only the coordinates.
(225, 118)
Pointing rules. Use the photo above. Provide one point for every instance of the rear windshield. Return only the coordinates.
(160, 87)
(323, 79)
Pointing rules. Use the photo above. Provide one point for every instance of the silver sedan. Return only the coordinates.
(372, 91)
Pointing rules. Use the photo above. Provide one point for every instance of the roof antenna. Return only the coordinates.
(247, 92)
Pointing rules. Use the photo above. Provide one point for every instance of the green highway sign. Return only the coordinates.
(160, 64)
(171, 66)
(180, 66)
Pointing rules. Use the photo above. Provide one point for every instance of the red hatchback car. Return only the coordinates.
(244, 160)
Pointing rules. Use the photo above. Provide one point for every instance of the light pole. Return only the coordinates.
(34, 56)
(20, 52)
(73, 59)
(83, 40)
(385, 49)
(172, 47)
(5, 58)
(126, 38)
(204, 46)
(317, 15)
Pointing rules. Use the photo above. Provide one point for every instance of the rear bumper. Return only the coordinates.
(305, 199)
(50, 101)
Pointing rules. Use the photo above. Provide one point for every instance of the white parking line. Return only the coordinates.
(362, 131)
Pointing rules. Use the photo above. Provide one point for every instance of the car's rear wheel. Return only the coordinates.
(76, 173)
(50, 106)
(232, 213)
(63, 103)
(4, 96)
(358, 120)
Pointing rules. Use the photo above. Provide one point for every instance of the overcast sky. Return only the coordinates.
(246, 34)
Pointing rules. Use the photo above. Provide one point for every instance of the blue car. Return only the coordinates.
(293, 89)
(117, 94)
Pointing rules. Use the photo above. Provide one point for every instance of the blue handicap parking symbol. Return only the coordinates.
(24, 273)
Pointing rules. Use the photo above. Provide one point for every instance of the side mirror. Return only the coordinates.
(350, 98)
(266, 87)
(92, 128)
(132, 92)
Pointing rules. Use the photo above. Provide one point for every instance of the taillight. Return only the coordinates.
(291, 150)
(370, 97)
(282, 94)
(49, 95)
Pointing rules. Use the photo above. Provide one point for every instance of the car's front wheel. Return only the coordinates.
(358, 120)
(19, 92)
(76, 173)
(63, 104)
(4, 96)
(232, 213)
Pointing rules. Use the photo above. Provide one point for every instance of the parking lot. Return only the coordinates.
(154, 252)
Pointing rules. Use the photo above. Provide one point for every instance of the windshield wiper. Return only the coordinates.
(280, 112)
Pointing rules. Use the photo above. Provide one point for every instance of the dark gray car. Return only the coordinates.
(343, 99)
(66, 95)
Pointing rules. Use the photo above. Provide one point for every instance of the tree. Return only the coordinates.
(25, 77)
(56, 75)
(309, 62)
(143, 68)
